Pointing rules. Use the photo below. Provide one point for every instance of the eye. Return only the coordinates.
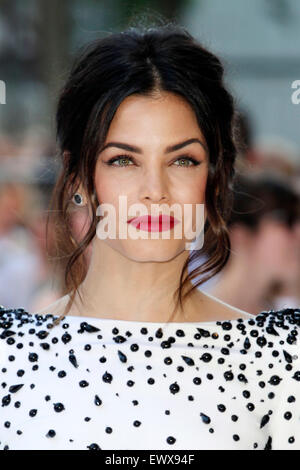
(121, 158)
(118, 159)
(187, 159)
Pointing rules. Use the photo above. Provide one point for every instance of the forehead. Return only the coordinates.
(166, 114)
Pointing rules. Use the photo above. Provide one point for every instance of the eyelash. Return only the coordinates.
(184, 157)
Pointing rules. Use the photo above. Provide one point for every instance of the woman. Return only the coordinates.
(145, 115)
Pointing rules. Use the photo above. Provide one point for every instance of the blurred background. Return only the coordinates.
(257, 41)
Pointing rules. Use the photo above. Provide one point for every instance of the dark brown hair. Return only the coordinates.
(140, 61)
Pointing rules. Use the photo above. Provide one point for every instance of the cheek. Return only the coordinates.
(109, 189)
(192, 201)
(191, 191)
(192, 194)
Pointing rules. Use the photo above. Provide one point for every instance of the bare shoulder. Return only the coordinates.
(202, 307)
(210, 308)
(56, 308)
(229, 311)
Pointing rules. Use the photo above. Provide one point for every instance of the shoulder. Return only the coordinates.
(279, 344)
(25, 337)
(278, 332)
(284, 323)
(16, 322)
(279, 320)
(21, 315)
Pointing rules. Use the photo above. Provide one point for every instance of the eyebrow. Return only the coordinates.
(169, 149)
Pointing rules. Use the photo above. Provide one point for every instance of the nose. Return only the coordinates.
(154, 186)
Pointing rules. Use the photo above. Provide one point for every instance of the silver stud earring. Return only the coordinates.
(77, 198)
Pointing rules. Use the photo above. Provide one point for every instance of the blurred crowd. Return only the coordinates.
(263, 270)
(28, 276)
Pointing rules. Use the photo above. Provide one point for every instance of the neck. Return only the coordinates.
(118, 287)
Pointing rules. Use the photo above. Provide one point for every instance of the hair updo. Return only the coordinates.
(141, 60)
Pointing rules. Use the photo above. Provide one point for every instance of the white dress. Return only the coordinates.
(99, 384)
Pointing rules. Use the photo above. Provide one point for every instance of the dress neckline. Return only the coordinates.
(144, 323)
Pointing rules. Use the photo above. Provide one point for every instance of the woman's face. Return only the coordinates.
(149, 173)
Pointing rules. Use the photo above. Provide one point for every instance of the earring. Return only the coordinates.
(78, 199)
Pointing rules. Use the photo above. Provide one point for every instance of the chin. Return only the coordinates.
(151, 251)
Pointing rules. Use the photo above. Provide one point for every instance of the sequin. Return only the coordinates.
(83, 383)
(107, 377)
(58, 407)
(205, 419)
(73, 360)
(6, 400)
(33, 357)
(221, 408)
(97, 400)
(94, 446)
(174, 388)
(15, 388)
(171, 440)
(119, 339)
(296, 375)
(234, 384)
(206, 357)
(265, 419)
(275, 380)
(122, 357)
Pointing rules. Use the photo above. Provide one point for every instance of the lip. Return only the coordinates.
(153, 223)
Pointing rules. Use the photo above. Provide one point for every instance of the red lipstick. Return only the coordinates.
(154, 223)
